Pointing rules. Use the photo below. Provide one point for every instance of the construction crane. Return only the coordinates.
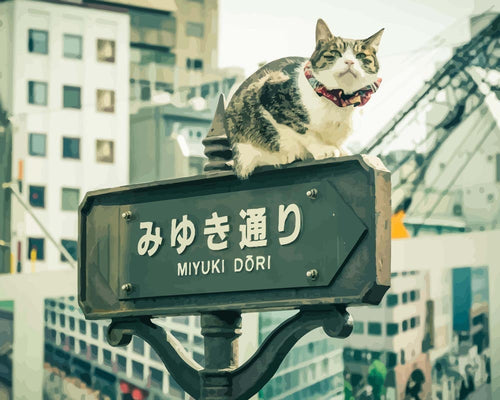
(457, 93)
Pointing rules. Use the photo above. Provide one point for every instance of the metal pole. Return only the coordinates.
(59, 247)
(221, 331)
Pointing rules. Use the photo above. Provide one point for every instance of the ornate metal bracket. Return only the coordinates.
(221, 379)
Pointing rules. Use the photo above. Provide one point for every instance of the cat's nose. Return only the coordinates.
(349, 62)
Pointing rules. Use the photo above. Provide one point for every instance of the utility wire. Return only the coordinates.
(429, 213)
(462, 56)
(29, 210)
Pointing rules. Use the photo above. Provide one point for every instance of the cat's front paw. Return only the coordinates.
(320, 152)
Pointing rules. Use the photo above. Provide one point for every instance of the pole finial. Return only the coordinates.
(217, 146)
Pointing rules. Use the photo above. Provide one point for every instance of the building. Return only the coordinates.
(165, 142)
(312, 370)
(174, 52)
(78, 348)
(394, 334)
(63, 81)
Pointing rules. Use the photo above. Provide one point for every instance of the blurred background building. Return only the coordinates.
(83, 108)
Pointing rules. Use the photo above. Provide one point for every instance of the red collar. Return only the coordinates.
(358, 98)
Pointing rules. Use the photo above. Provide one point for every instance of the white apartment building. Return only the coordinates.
(64, 79)
(393, 332)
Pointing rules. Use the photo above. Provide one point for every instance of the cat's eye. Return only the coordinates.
(334, 54)
(360, 55)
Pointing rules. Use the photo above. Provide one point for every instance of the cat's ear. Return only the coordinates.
(322, 31)
(374, 40)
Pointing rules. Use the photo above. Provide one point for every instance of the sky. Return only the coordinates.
(418, 36)
(262, 30)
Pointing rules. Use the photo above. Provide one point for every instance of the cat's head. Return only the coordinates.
(346, 64)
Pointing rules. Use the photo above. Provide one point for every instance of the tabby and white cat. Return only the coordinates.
(297, 108)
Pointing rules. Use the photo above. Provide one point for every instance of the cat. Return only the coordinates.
(296, 108)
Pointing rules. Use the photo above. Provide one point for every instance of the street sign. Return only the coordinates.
(311, 233)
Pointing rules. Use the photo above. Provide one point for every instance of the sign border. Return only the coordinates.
(92, 294)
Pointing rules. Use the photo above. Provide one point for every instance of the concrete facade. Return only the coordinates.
(59, 122)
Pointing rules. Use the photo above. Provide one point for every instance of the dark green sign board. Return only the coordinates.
(281, 239)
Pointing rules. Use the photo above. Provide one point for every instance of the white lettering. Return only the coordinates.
(203, 270)
(196, 265)
(182, 269)
(240, 262)
(283, 215)
(215, 266)
(253, 232)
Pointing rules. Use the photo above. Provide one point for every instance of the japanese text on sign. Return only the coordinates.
(253, 230)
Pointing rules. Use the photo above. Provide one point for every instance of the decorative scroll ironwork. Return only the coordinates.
(222, 379)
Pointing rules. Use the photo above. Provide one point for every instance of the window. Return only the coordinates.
(358, 327)
(153, 355)
(71, 97)
(194, 29)
(164, 87)
(69, 199)
(94, 330)
(106, 357)
(199, 358)
(392, 359)
(72, 46)
(194, 64)
(38, 41)
(198, 64)
(181, 336)
(413, 295)
(52, 334)
(83, 327)
(405, 326)
(71, 148)
(137, 369)
(72, 323)
(71, 343)
(83, 347)
(105, 100)
(62, 320)
(138, 345)
(121, 363)
(145, 90)
(105, 50)
(53, 317)
(374, 328)
(38, 245)
(405, 297)
(198, 340)
(37, 196)
(37, 144)
(71, 247)
(392, 329)
(93, 352)
(37, 93)
(156, 378)
(205, 91)
(402, 357)
(105, 151)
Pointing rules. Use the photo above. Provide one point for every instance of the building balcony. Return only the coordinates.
(152, 72)
(152, 36)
